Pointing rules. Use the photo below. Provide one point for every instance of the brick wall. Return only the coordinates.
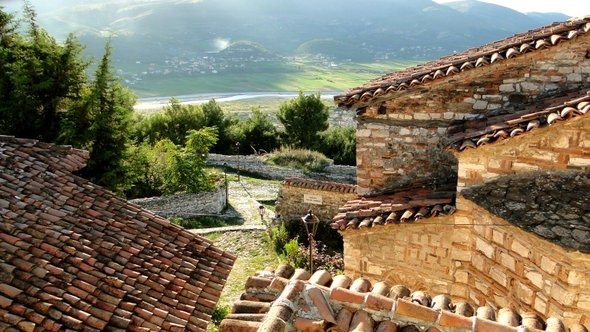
(475, 256)
(561, 146)
(296, 196)
(387, 153)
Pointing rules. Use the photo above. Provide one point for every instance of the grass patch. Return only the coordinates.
(204, 222)
(306, 160)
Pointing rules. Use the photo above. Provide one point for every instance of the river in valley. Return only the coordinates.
(201, 98)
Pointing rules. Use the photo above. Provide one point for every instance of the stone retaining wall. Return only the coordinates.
(186, 205)
(252, 164)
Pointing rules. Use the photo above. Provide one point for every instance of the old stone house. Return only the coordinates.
(473, 175)
(75, 257)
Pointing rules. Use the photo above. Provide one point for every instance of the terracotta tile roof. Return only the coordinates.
(289, 299)
(404, 206)
(320, 185)
(73, 256)
(490, 54)
(474, 133)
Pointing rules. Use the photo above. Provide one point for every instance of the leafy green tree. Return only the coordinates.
(214, 117)
(256, 132)
(173, 123)
(187, 172)
(39, 79)
(110, 106)
(303, 118)
(338, 143)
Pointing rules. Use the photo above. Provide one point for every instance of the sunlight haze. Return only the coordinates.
(569, 7)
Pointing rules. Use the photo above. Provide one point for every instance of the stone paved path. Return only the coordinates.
(244, 197)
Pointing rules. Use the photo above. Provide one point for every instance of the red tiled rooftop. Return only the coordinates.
(291, 300)
(490, 54)
(73, 256)
(403, 206)
(474, 133)
(320, 185)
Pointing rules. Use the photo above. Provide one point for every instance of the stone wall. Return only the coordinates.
(186, 205)
(386, 152)
(475, 256)
(561, 146)
(252, 164)
(296, 196)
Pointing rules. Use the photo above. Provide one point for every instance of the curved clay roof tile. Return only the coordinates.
(541, 43)
(583, 104)
(426, 78)
(586, 27)
(402, 86)
(439, 73)
(366, 96)
(553, 117)
(585, 109)
(554, 324)
(532, 321)
(496, 57)
(407, 215)
(573, 34)
(526, 47)
(568, 112)
(414, 82)
(467, 144)
(508, 317)
(466, 65)
(486, 312)
(436, 210)
(391, 218)
(452, 70)
(500, 134)
(555, 39)
(482, 61)
(378, 92)
(483, 140)
(532, 125)
(516, 131)
(355, 97)
(390, 88)
(512, 52)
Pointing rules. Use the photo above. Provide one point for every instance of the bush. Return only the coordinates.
(219, 313)
(306, 160)
(323, 258)
(279, 238)
(257, 132)
(293, 255)
(339, 143)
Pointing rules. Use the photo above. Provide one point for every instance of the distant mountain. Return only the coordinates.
(152, 30)
(171, 47)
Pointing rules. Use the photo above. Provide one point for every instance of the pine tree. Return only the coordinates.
(110, 108)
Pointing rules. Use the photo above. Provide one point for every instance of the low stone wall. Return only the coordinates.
(186, 205)
(252, 164)
(296, 196)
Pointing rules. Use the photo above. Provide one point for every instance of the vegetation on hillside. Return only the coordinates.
(47, 95)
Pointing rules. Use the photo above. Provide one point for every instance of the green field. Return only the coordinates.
(299, 75)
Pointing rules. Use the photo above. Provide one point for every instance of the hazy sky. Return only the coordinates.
(568, 7)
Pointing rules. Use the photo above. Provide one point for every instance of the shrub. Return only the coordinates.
(339, 143)
(219, 313)
(323, 258)
(293, 255)
(306, 160)
(279, 238)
